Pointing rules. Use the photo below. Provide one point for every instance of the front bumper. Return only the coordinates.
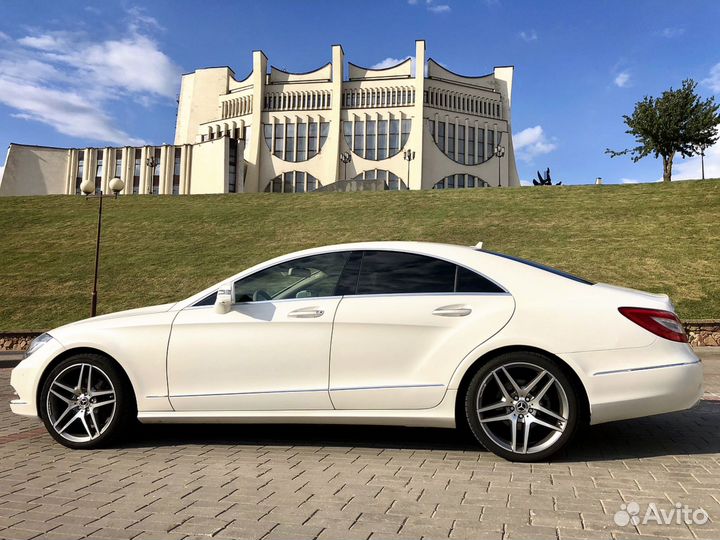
(25, 378)
(647, 384)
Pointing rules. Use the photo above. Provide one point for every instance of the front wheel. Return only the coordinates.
(85, 402)
(522, 407)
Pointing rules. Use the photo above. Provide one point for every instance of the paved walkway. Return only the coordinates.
(273, 482)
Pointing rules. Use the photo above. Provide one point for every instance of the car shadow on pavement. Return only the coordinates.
(696, 431)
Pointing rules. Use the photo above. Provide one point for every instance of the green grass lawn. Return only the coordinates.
(661, 238)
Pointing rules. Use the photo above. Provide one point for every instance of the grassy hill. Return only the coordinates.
(662, 238)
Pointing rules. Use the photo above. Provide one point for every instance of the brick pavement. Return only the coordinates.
(275, 482)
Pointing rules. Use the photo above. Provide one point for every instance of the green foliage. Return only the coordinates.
(656, 237)
(676, 122)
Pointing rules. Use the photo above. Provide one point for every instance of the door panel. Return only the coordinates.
(400, 351)
(271, 355)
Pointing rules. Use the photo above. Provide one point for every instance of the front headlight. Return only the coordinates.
(36, 343)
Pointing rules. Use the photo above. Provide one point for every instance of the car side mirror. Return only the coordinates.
(223, 300)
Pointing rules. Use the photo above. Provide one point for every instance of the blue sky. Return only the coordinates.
(92, 74)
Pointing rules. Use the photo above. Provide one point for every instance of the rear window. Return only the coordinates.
(468, 281)
(542, 267)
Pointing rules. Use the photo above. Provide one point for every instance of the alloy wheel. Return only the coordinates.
(81, 403)
(522, 407)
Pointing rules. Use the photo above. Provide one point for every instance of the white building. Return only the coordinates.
(328, 129)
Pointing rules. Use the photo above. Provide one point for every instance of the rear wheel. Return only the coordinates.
(85, 401)
(522, 407)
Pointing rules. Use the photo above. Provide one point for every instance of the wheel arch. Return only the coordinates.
(460, 417)
(81, 350)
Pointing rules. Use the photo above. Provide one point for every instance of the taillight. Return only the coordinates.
(661, 323)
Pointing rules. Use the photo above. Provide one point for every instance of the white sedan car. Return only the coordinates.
(394, 333)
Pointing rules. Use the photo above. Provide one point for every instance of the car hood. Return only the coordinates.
(162, 308)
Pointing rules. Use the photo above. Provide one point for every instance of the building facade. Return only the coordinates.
(330, 129)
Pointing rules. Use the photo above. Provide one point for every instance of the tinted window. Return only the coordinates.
(349, 277)
(308, 277)
(542, 267)
(470, 282)
(387, 272)
(209, 300)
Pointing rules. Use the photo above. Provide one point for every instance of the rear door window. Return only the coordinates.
(389, 272)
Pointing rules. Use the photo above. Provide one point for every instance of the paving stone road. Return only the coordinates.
(276, 482)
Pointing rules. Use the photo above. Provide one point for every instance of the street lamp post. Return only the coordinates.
(152, 163)
(88, 188)
(408, 156)
(345, 157)
(499, 152)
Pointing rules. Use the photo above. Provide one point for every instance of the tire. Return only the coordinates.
(82, 419)
(544, 412)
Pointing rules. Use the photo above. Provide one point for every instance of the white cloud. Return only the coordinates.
(139, 19)
(46, 42)
(4, 36)
(672, 32)
(528, 36)
(432, 7)
(439, 8)
(115, 64)
(713, 80)
(65, 80)
(622, 80)
(532, 142)
(525, 183)
(68, 111)
(691, 168)
(629, 181)
(390, 62)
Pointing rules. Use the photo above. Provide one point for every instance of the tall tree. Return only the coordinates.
(677, 121)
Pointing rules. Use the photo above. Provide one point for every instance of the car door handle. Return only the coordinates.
(456, 310)
(306, 313)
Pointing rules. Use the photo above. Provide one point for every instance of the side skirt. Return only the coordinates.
(442, 416)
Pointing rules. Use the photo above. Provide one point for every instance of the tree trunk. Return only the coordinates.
(667, 168)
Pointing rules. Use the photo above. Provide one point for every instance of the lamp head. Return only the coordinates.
(116, 185)
(88, 187)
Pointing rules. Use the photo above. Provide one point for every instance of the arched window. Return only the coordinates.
(377, 139)
(469, 145)
(293, 182)
(391, 182)
(296, 141)
(460, 181)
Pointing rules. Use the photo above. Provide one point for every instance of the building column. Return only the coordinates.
(334, 139)
(71, 171)
(167, 160)
(185, 168)
(258, 77)
(415, 141)
(90, 162)
(108, 169)
(145, 171)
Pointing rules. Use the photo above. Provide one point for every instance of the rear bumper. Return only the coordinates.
(671, 382)
(645, 392)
